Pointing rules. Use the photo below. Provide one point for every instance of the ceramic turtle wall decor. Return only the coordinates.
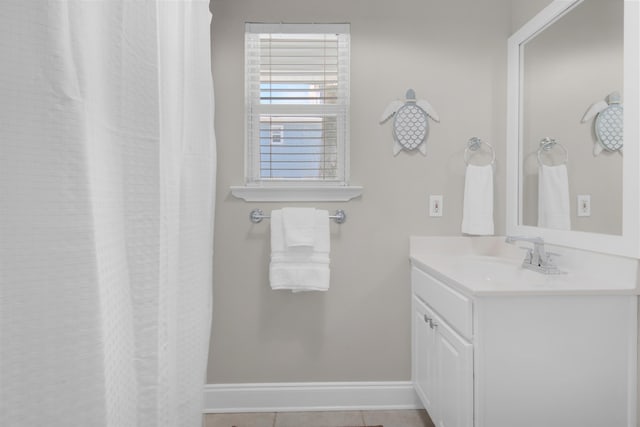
(607, 124)
(410, 122)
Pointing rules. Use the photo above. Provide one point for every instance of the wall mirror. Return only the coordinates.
(572, 55)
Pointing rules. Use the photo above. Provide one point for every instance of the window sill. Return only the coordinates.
(296, 193)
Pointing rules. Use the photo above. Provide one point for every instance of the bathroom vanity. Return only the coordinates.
(499, 345)
(496, 345)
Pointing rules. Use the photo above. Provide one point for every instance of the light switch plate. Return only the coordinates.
(584, 205)
(435, 205)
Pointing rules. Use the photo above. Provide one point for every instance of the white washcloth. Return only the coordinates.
(553, 197)
(299, 226)
(477, 212)
(300, 268)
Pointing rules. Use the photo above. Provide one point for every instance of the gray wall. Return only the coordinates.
(453, 53)
(523, 10)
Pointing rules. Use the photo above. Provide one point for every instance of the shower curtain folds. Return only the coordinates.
(107, 180)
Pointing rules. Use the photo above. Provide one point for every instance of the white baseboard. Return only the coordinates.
(326, 396)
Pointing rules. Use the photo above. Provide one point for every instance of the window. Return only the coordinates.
(297, 104)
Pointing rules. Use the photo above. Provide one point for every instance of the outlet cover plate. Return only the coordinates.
(435, 205)
(584, 205)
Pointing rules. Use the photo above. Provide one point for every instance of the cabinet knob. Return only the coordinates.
(427, 319)
(432, 324)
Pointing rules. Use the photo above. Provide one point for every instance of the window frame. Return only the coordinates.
(295, 188)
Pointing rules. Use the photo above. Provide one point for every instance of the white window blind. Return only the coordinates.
(297, 103)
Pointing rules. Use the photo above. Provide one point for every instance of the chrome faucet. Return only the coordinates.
(536, 259)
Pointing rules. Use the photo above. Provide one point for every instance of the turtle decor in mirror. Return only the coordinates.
(410, 122)
(607, 124)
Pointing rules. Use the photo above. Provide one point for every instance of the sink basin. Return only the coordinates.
(497, 274)
(489, 268)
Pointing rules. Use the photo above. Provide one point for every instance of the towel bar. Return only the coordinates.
(257, 215)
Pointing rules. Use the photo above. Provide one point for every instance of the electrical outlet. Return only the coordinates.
(435, 205)
(584, 205)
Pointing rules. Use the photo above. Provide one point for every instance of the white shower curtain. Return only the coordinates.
(107, 173)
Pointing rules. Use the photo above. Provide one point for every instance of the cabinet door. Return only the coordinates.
(423, 354)
(454, 356)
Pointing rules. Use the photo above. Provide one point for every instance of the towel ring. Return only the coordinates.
(546, 145)
(474, 144)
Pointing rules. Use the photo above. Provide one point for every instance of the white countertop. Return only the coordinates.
(479, 266)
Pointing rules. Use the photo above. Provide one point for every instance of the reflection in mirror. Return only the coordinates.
(617, 230)
(572, 64)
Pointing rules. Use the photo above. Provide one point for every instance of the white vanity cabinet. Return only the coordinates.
(519, 359)
(442, 358)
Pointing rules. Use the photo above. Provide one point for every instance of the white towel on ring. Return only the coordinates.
(553, 197)
(477, 212)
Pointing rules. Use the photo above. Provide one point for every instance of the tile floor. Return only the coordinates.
(408, 418)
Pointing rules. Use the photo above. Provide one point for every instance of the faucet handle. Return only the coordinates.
(549, 258)
(529, 255)
(534, 240)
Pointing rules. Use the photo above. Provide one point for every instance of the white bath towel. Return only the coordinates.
(553, 197)
(300, 268)
(477, 212)
(299, 226)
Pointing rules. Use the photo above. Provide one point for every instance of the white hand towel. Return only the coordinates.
(477, 212)
(299, 226)
(553, 197)
(300, 268)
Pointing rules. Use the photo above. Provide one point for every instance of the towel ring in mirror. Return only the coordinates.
(546, 145)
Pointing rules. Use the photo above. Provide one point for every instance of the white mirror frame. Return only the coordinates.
(628, 243)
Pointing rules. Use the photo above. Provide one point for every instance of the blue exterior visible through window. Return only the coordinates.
(295, 147)
(293, 94)
(302, 151)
